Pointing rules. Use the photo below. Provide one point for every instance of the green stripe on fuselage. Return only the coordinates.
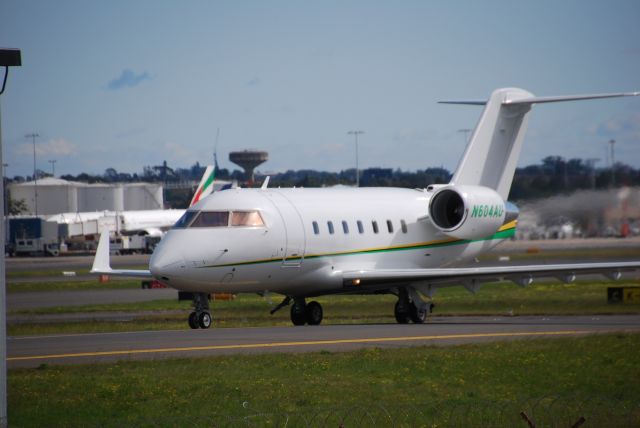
(503, 234)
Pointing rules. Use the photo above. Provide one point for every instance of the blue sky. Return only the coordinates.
(130, 83)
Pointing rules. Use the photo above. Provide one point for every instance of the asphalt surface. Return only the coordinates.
(69, 263)
(109, 347)
(50, 299)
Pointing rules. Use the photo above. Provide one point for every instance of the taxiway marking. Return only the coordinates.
(307, 343)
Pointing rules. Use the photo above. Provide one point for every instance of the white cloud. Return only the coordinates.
(57, 147)
(625, 127)
(178, 152)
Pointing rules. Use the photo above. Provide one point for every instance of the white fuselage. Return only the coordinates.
(295, 253)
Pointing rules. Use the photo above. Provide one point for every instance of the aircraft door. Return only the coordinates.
(295, 238)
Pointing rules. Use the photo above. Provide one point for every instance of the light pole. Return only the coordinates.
(8, 58)
(33, 136)
(4, 189)
(356, 133)
(613, 163)
(53, 167)
(465, 131)
(591, 163)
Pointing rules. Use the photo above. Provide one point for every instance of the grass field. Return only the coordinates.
(502, 299)
(555, 381)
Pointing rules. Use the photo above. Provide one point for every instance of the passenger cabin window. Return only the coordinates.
(375, 226)
(330, 226)
(345, 227)
(390, 226)
(316, 229)
(360, 227)
(403, 226)
(185, 220)
(246, 218)
(211, 219)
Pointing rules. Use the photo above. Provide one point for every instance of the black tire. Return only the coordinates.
(417, 316)
(298, 314)
(193, 320)
(402, 317)
(204, 320)
(314, 313)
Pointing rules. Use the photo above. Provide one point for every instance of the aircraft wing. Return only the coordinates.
(473, 276)
(102, 265)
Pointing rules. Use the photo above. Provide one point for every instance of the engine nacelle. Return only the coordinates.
(466, 211)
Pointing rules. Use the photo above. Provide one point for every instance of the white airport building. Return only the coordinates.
(56, 196)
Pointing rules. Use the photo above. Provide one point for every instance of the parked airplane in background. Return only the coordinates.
(140, 222)
(304, 243)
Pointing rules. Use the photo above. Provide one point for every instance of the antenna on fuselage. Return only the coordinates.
(265, 184)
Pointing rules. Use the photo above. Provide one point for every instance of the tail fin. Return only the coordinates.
(206, 185)
(491, 156)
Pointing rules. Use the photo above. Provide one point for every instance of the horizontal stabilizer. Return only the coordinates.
(467, 102)
(540, 100)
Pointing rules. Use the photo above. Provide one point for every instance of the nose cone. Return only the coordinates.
(166, 259)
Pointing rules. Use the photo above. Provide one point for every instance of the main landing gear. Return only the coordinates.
(200, 318)
(301, 312)
(411, 307)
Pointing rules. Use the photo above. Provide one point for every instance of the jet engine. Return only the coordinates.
(467, 211)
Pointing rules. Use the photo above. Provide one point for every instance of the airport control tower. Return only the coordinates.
(248, 160)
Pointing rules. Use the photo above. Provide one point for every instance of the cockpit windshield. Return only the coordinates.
(211, 219)
(246, 218)
(219, 219)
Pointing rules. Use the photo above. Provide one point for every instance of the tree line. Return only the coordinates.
(552, 176)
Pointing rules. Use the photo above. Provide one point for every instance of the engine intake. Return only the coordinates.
(467, 212)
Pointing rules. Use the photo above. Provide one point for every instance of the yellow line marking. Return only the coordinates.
(305, 343)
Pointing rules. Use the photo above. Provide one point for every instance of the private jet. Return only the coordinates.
(303, 243)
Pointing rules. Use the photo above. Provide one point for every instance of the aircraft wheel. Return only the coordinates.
(314, 313)
(402, 317)
(193, 320)
(298, 314)
(204, 320)
(418, 316)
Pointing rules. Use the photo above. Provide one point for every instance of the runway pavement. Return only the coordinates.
(109, 347)
(49, 299)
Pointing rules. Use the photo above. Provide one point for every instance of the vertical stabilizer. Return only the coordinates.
(492, 154)
(205, 187)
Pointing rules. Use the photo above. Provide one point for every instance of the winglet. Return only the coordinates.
(101, 263)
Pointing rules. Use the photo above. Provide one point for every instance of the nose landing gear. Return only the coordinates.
(200, 318)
